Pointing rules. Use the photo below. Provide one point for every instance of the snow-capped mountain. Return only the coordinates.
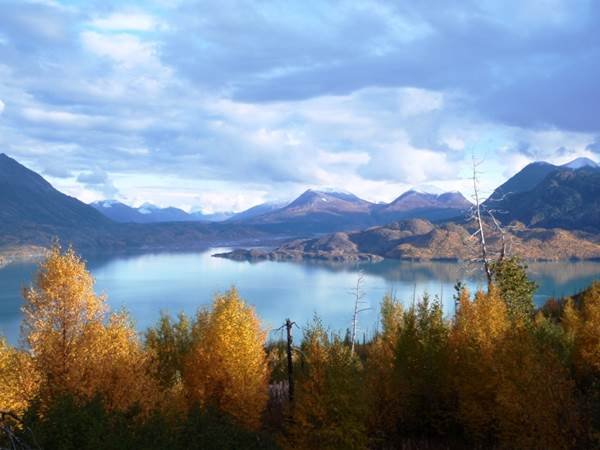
(335, 209)
(149, 213)
(580, 163)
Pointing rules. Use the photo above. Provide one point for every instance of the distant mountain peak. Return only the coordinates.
(323, 194)
(579, 163)
(147, 208)
(429, 196)
(331, 190)
(108, 203)
(427, 189)
(413, 193)
(524, 180)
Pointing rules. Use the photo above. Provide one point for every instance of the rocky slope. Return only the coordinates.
(422, 240)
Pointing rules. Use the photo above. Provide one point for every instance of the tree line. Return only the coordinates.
(499, 374)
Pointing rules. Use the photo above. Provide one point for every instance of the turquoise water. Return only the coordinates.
(149, 283)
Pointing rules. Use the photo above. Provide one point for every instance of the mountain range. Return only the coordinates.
(148, 213)
(314, 211)
(540, 196)
(33, 214)
(318, 211)
(553, 213)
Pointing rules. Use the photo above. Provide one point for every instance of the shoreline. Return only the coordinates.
(253, 254)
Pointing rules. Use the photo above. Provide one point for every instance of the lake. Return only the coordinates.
(149, 283)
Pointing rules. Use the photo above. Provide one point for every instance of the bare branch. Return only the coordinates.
(482, 243)
(359, 295)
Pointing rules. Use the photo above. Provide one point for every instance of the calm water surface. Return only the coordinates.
(146, 284)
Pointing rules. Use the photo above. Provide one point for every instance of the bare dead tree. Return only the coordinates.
(288, 325)
(487, 256)
(359, 295)
(480, 231)
(500, 228)
(290, 365)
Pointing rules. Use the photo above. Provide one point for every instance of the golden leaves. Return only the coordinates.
(76, 347)
(18, 379)
(506, 381)
(227, 367)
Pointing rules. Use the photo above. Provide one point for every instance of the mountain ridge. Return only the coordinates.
(27, 197)
(149, 213)
(549, 196)
(33, 212)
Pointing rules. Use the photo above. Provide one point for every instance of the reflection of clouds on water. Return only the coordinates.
(560, 279)
(410, 272)
(400, 271)
(554, 279)
(145, 284)
(565, 273)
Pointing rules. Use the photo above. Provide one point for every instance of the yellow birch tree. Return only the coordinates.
(18, 379)
(227, 367)
(479, 328)
(76, 348)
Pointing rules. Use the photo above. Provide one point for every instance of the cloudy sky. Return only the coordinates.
(222, 105)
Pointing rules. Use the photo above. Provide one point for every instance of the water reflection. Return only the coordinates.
(145, 284)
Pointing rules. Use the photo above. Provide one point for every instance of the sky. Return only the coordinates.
(219, 106)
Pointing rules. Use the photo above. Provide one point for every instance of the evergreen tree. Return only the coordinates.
(329, 410)
(421, 368)
(170, 342)
(516, 289)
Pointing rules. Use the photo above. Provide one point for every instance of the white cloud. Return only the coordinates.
(413, 101)
(124, 21)
(1, 106)
(60, 118)
(125, 49)
(404, 163)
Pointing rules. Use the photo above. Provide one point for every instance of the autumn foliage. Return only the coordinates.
(227, 367)
(76, 346)
(495, 375)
